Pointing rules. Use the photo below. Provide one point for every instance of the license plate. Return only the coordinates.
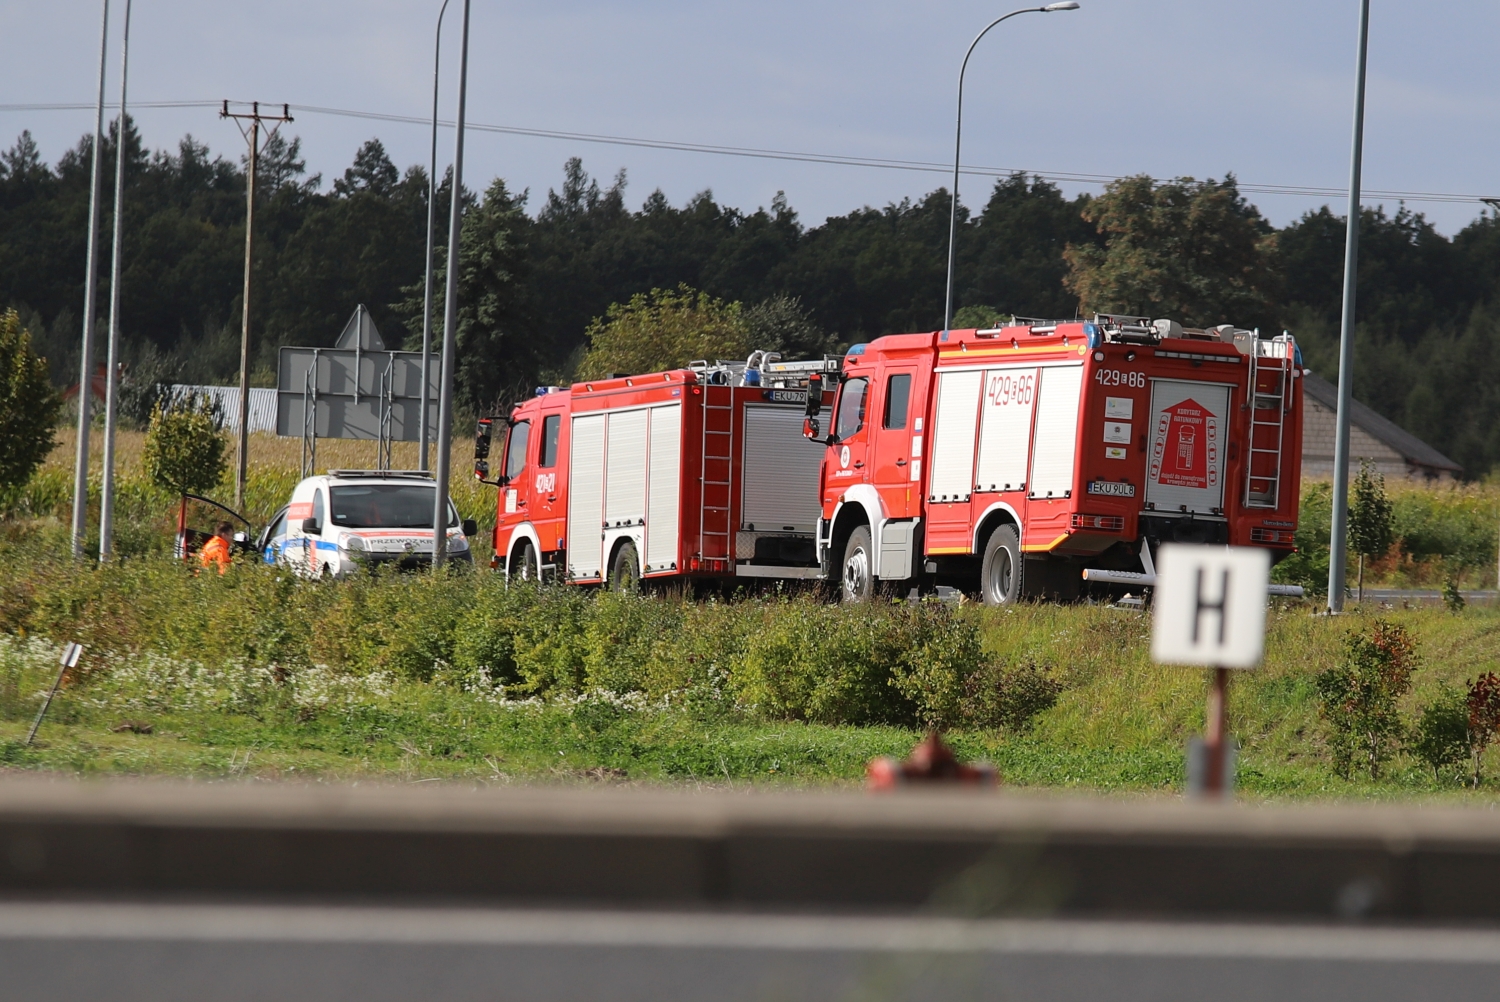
(1112, 488)
(787, 396)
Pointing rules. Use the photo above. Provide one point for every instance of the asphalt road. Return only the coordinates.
(1396, 595)
(207, 953)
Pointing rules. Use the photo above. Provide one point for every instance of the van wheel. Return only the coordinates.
(1000, 574)
(857, 580)
(523, 563)
(625, 571)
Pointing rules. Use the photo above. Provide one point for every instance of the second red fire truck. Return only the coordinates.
(1025, 461)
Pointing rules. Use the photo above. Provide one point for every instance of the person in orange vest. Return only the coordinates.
(216, 550)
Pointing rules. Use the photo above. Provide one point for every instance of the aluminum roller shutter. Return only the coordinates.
(1005, 428)
(952, 462)
(625, 469)
(780, 472)
(1054, 442)
(586, 497)
(664, 488)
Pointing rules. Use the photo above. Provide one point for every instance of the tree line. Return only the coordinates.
(538, 273)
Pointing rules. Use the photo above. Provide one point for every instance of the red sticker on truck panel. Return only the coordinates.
(1185, 450)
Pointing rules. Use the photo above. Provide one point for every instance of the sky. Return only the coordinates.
(1167, 87)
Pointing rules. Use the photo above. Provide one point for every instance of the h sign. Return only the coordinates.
(1210, 605)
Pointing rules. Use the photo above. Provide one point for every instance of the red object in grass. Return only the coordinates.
(931, 761)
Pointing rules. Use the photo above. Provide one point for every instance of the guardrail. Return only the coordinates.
(914, 852)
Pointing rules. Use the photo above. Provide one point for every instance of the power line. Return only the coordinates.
(879, 163)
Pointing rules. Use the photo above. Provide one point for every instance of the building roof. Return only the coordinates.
(1412, 448)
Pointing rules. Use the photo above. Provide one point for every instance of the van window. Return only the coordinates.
(318, 509)
(851, 415)
(550, 424)
(515, 449)
(897, 396)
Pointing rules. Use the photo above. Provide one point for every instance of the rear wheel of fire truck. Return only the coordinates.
(625, 569)
(857, 582)
(523, 562)
(1000, 574)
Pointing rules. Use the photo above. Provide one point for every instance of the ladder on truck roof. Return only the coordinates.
(1268, 435)
(715, 475)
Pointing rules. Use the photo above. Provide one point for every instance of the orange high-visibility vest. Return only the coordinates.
(215, 551)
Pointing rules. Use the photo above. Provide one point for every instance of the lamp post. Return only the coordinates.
(450, 315)
(1339, 535)
(437, 46)
(112, 377)
(958, 144)
(90, 294)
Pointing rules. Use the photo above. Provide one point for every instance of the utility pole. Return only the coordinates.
(112, 376)
(450, 316)
(252, 136)
(432, 186)
(90, 294)
(1338, 542)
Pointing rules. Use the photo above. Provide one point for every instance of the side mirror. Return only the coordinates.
(814, 395)
(811, 430)
(311, 527)
(471, 527)
(482, 439)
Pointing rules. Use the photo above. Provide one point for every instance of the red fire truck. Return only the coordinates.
(1030, 459)
(700, 472)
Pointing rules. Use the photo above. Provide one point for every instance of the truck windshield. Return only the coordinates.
(387, 506)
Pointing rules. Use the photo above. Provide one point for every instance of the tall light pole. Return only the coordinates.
(958, 134)
(112, 376)
(1339, 537)
(426, 433)
(450, 314)
(90, 294)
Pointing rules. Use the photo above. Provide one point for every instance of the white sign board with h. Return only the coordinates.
(1210, 605)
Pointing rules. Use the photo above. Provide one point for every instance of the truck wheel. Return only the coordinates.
(523, 563)
(857, 581)
(1000, 574)
(625, 571)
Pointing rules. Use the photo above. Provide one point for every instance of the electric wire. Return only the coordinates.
(878, 163)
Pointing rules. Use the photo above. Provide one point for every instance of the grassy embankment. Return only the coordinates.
(417, 678)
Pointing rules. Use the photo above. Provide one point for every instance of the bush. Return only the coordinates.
(28, 406)
(1359, 697)
(1483, 706)
(998, 695)
(1441, 737)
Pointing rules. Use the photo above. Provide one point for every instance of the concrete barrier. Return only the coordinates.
(919, 852)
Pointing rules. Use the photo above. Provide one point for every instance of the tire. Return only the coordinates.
(625, 569)
(523, 564)
(1000, 574)
(856, 573)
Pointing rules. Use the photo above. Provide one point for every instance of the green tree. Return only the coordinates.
(1193, 251)
(1371, 518)
(28, 405)
(1358, 698)
(664, 330)
(781, 324)
(185, 451)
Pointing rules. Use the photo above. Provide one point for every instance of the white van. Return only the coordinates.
(346, 520)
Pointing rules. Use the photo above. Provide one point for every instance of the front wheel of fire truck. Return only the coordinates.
(625, 569)
(857, 583)
(1000, 574)
(523, 562)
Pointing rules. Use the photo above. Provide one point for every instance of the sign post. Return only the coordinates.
(1210, 609)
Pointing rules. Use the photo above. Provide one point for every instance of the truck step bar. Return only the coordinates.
(767, 571)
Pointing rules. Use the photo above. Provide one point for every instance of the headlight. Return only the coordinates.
(354, 543)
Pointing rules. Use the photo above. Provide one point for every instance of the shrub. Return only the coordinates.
(1483, 706)
(999, 695)
(1441, 737)
(1452, 597)
(1359, 697)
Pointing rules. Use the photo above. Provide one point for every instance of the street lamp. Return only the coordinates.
(958, 142)
(426, 433)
